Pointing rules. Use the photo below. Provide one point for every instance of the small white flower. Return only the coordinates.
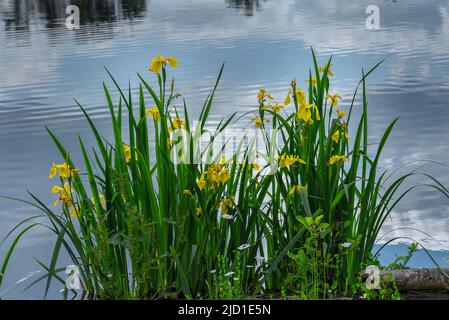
(243, 247)
(446, 259)
(249, 266)
(261, 259)
(213, 271)
(346, 244)
(229, 274)
(227, 216)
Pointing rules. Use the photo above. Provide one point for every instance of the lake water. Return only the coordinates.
(265, 43)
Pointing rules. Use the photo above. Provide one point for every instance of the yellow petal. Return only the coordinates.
(67, 187)
(64, 171)
(292, 191)
(317, 114)
(201, 184)
(56, 189)
(336, 136)
(156, 64)
(173, 62)
(75, 172)
(127, 152)
(256, 166)
(74, 213)
(287, 100)
(53, 171)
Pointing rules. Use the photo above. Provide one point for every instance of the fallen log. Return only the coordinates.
(419, 279)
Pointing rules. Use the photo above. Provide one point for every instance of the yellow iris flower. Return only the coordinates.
(64, 194)
(218, 173)
(300, 97)
(178, 123)
(334, 99)
(336, 136)
(314, 82)
(304, 113)
(225, 204)
(224, 175)
(262, 95)
(213, 172)
(159, 61)
(329, 71)
(296, 189)
(63, 170)
(202, 182)
(275, 107)
(337, 159)
(258, 122)
(154, 114)
(341, 114)
(287, 160)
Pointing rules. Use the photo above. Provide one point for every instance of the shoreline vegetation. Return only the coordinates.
(296, 220)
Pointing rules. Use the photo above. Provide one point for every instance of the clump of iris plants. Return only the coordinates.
(168, 218)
